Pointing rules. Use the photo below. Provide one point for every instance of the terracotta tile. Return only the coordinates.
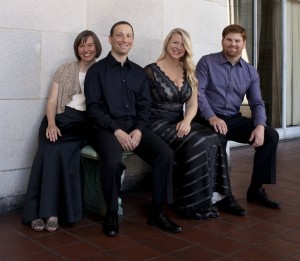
(77, 251)
(12, 219)
(296, 257)
(279, 247)
(137, 252)
(246, 236)
(196, 253)
(19, 248)
(263, 234)
(196, 235)
(265, 213)
(219, 227)
(288, 220)
(226, 258)
(8, 235)
(166, 258)
(58, 238)
(112, 243)
(101, 257)
(255, 254)
(187, 224)
(166, 244)
(293, 236)
(243, 221)
(270, 228)
(224, 245)
(2, 224)
(45, 256)
(86, 232)
(141, 233)
(292, 201)
(296, 213)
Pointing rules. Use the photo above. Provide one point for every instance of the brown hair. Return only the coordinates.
(234, 28)
(82, 37)
(119, 23)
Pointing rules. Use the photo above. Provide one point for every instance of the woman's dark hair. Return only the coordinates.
(119, 23)
(234, 28)
(82, 37)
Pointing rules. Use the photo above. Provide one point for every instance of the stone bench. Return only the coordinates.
(93, 195)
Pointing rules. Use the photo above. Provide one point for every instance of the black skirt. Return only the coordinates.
(55, 184)
(199, 166)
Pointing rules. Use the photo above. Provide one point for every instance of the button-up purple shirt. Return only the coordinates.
(222, 88)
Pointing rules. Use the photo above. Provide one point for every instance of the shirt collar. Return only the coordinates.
(223, 59)
(113, 62)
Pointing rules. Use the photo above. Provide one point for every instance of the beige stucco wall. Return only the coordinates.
(37, 36)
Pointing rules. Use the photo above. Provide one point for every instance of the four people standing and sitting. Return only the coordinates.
(152, 113)
(224, 79)
(118, 109)
(55, 189)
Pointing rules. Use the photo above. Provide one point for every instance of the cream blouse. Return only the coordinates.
(67, 78)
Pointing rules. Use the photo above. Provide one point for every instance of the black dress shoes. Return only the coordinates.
(231, 206)
(111, 225)
(164, 223)
(260, 197)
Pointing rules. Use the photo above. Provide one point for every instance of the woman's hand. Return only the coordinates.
(183, 128)
(52, 132)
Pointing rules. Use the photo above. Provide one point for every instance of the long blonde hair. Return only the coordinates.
(186, 60)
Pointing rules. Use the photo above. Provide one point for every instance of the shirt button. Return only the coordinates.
(126, 106)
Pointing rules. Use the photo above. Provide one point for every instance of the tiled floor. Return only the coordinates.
(263, 234)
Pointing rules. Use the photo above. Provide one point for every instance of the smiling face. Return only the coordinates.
(233, 45)
(122, 40)
(175, 47)
(87, 50)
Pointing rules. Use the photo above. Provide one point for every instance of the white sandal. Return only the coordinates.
(38, 225)
(52, 224)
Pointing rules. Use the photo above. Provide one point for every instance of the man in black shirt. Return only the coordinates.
(118, 108)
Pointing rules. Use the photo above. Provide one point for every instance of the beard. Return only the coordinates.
(233, 52)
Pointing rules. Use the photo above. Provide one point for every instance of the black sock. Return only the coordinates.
(255, 187)
(157, 210)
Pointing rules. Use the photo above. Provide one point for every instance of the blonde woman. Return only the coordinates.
(198, 170)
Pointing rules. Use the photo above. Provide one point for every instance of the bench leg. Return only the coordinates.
(93, 195)
(120, 209)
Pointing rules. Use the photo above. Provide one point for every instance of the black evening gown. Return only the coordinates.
(199, 161)
(55, 184)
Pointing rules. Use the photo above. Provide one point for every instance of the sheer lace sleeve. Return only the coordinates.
(150, 76)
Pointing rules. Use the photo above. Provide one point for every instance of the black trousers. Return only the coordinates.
(152, 149)
(239, 130)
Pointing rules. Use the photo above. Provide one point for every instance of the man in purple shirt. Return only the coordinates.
(224, 79)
